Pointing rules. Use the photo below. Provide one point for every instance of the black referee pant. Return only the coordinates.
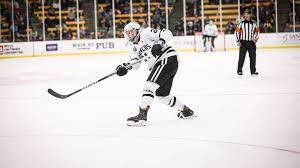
(251, 48)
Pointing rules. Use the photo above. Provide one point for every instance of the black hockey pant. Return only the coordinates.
(163, 74)
(212, 40)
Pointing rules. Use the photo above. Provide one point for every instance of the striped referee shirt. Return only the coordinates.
(247, 31)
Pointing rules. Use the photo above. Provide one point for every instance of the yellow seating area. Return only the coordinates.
(296, 26)
(5, 27)
(4, 22)
(4, 31)
(57, 17)
(72, 25)
(211, 12)
(135, 5)
(229, 12)
(140, 17)
(63, 12)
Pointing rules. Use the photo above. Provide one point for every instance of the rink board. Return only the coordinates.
(113, 46)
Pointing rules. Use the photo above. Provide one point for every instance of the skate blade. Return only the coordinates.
(189, 117)
(141, 123)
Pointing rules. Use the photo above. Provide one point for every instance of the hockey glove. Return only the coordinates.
(156, 50)
(123, 69)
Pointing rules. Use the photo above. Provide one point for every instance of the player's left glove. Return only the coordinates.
(156, 50)
(123, 69)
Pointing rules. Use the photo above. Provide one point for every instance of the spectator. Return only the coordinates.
(287, 27)
(71, 15)
(51, 11)
(82, 32)
(268, 27)
(54, 35)
(290, 18)
(197, 25)
(179, 28)
(243, 8)
(66, 32)
(34, 35)
(190, 27)
(157, 10)
(16, 8)
(230, 28)
(140, 9)
(102, 33)
(126, 9)
(262, 14)
(121, 25)
(109, 33)
(145, 23)
(156, 20)
(108, 20)
(55, 5)
(48, 23)
(13, 29)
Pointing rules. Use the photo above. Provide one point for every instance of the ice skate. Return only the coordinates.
(255, 74)
(140, 119)
(186, 113)
(212, 49)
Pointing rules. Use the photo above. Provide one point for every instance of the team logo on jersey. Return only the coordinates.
(134, 49)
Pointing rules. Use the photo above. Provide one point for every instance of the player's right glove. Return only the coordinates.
(156, 50)
(123, 69)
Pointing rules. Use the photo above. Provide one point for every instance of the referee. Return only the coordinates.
(247, 33)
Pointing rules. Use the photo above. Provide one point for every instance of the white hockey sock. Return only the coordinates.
(148, 94)
(146, 101)
(171, 101)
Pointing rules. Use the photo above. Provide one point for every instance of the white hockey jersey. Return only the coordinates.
(210, 30)
(142, 49)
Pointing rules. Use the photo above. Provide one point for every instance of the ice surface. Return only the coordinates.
(242, 122)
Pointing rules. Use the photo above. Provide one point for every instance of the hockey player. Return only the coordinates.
(150, 45)
(209, 34)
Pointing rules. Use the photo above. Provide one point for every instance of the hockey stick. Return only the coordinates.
(61, 96)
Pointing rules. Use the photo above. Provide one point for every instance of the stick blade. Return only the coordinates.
(55, 94)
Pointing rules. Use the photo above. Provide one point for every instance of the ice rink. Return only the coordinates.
(246, 122)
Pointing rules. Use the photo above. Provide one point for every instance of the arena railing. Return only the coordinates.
(89, 24)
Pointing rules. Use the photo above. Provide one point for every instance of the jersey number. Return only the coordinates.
(153, 30)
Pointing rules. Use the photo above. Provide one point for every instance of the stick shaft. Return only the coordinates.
(55, 94)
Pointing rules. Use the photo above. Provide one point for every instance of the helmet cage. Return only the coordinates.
(131, 30)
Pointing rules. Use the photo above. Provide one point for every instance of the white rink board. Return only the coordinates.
(110, 46)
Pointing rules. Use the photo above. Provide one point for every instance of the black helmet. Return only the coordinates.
(247, 11)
